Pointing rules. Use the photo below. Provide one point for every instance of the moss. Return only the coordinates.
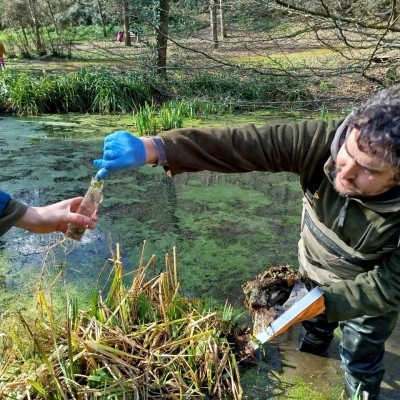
(300, 390)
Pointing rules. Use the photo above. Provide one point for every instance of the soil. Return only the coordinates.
(266, 295)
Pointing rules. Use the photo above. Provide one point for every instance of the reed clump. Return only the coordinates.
(111, 90)
(150, 119)
(85, 90)
(137, 341)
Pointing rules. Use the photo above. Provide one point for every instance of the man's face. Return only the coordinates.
(362, 174)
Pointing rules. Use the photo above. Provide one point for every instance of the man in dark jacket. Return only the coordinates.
(350, 237)
(51, 218)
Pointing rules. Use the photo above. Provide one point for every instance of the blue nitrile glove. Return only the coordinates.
(121, 150)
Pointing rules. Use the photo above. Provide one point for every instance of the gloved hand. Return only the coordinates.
(121, 150)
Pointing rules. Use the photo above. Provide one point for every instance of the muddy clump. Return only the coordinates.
(266, 295)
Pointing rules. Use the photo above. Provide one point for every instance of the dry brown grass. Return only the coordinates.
(144, 341)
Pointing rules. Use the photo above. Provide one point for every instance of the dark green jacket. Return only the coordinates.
(347, 245)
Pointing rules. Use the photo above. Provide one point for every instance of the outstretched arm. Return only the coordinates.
(54, 217)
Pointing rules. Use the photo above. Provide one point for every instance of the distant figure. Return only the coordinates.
(2, 52)
(120, 36)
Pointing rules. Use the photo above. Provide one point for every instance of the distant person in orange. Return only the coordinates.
(2, 52)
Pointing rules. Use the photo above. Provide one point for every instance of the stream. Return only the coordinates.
(227, 228)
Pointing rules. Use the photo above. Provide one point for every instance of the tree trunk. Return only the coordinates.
(103, 23)
(162, 37)
(25, 36)
(127, 19)
(213, 23)
(52, 17)
(36, 27)
(222, 19)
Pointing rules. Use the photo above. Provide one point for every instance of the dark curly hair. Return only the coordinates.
(378, 121)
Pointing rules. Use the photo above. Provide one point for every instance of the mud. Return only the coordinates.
(266, 295)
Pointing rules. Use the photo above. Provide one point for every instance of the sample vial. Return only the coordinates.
(88, 207)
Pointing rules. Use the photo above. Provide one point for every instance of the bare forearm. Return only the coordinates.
(54, 218)
(151, 151)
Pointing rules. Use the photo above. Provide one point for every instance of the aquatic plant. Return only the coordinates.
(84, 90)
(146, 120)
(113, 91)
(24, 95)
(144, 341)
(171, 115)
(150, 120)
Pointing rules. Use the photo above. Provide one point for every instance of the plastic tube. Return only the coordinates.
(88, 207)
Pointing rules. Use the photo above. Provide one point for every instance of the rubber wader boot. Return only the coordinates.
(316, 335)
(362, 349)
(351, 387)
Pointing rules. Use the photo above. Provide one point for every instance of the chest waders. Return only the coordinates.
(326, 259)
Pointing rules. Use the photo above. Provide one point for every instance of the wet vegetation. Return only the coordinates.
(144, 341)
(118, 91)
(218, 223)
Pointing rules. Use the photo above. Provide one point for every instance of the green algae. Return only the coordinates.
(227, 227)
(298, 389)
(228, 196)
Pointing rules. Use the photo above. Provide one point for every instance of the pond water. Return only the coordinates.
(226, 228)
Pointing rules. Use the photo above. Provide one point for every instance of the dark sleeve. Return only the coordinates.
(289, 147)
(11, 211)
(371, 293)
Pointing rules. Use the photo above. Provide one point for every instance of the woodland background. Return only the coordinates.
(339, 50)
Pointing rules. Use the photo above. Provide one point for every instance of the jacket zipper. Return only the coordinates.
(343, 212)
